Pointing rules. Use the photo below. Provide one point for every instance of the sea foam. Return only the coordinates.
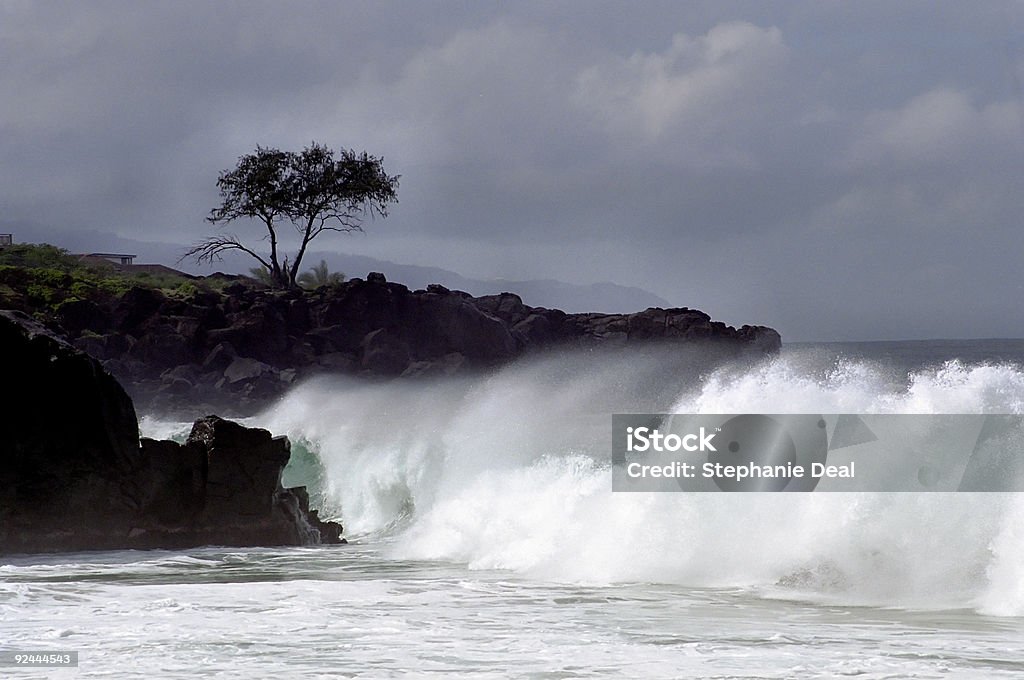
(510, 471)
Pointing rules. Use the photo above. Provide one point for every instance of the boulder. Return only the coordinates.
(338, 362)
(258, 331)
(77, 477)
(449, 364)
(244, 467)
(442, 324)
(508, 307)
(174, 481)
(220, 357)
(71, 438)
(761, 338)
(244, 369)
(536, 330)
(81, 315)
(136, 306)
(384, 353)
(103, 347)
(187, 373)
(160, 348)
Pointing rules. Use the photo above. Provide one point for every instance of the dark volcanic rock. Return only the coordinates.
(259, 331)
(244, 467)
(136, 307)
(761, 338)
(70, 435)
(443, 324)
(226, 483)
(82, 315)
(251, 344)
(175, 482)
(384, 352)
(75, 475)
(220, 357)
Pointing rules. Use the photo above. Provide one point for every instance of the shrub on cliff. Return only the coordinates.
(41, 278)
(43, 255)
(320, 276)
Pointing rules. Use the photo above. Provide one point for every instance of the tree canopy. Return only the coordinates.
(314, 191)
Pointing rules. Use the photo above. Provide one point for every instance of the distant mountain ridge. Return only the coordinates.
(571, 297)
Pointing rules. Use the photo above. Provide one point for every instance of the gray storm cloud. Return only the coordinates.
(836, 170)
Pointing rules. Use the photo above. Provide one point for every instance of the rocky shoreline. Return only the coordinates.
(76, 475)
(240, 347)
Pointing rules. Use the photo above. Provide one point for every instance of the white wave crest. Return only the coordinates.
(510, 471)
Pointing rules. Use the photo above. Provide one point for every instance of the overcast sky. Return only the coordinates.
(833, 169)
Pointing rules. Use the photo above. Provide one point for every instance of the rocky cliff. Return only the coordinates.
(75, 476)
(236, 348)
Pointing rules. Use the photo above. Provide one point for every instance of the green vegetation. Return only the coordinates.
(262, 274)
(311, 279)
(37, 256)
(320, 275)
(42, 278)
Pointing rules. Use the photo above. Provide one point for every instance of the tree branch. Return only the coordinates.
(211, 249)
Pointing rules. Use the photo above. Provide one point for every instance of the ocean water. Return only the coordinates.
(486, 541)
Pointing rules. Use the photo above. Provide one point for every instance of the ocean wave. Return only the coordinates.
(510, 471)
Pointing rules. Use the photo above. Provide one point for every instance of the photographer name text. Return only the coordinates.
(681, 470)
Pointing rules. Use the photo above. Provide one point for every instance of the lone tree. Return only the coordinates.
(313, 190)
